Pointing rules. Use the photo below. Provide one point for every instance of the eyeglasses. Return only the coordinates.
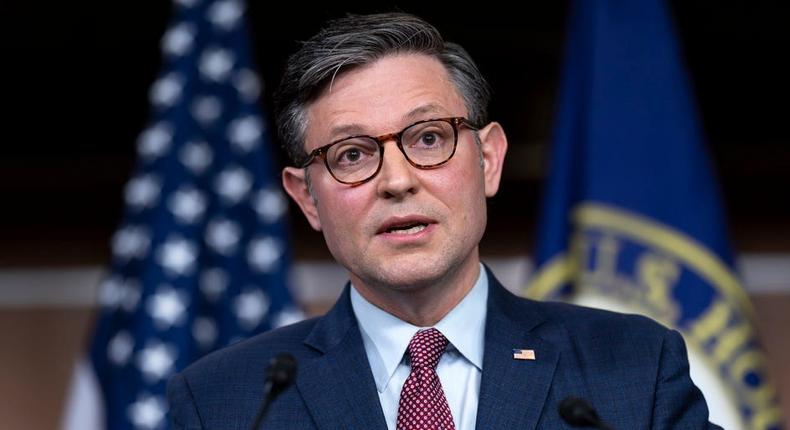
(425, 144)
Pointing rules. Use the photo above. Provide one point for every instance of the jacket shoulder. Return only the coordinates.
(226, 386)
(257, 349)
(581, 319)
(609, 343)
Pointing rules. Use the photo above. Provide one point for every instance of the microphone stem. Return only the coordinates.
(599, 423)
(267, 393)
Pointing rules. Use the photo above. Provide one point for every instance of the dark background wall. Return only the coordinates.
(74, 81)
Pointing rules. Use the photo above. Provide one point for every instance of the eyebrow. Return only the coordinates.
(415, 114)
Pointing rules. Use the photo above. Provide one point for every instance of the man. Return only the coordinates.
(395, 159)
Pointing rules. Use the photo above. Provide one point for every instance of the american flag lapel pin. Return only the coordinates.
(523, 354)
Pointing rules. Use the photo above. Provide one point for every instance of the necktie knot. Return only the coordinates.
(426, 347)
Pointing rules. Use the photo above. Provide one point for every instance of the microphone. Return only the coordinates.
(578, 413)
(279, 375)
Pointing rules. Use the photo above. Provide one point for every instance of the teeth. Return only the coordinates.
(411, 230)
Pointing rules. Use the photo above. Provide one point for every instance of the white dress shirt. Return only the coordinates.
(386, 338)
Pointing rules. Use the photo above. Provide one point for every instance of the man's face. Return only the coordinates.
(406, 227)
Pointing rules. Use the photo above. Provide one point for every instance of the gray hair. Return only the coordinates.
(356, 40)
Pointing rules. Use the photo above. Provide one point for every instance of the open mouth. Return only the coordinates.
(406, 225)
(410, 228)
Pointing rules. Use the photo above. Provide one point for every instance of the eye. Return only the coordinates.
(351, 155)
(352, 152)
(429, 139)
(428, 136)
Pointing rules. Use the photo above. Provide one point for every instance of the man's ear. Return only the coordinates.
(295, 184)
(493, 146)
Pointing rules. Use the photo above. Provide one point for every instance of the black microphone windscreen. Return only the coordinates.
(578, 413)
(279, 374)
(281, 370)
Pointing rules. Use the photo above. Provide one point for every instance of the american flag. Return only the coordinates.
(523, 354)
(201, 258)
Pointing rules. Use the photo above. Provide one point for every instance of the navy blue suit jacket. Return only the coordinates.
(631, 369)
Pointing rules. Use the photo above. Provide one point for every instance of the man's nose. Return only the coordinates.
(397, 177)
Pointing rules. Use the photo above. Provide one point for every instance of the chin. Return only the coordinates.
(411, 273)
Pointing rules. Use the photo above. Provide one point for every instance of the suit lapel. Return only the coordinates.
(513, 392)
(338, 386)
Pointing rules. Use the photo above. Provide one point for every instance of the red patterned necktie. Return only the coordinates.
(422, 403)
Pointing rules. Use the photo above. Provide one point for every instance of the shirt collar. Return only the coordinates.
(386, 337)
